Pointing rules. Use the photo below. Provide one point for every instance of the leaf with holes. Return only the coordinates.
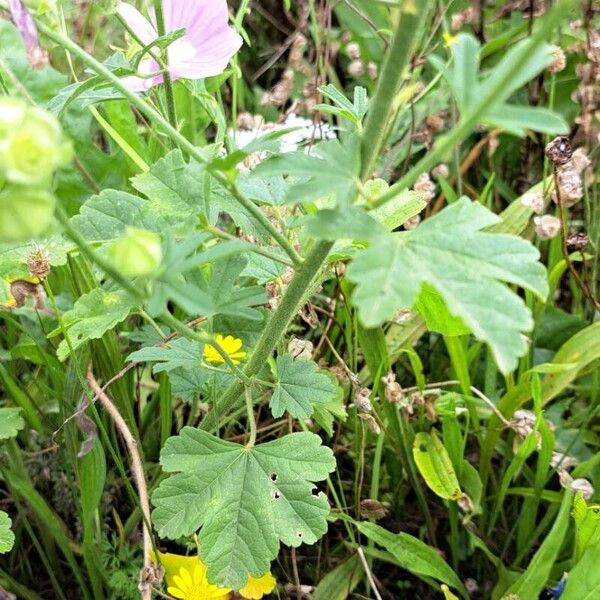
(7, 537)
(245, 501)
(299, 384)
(11, 422)
(465, 265)
(91, 317)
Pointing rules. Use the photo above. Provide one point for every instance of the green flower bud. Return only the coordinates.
(138, 254)
(24, 212)
(31, 144)
(374, 188)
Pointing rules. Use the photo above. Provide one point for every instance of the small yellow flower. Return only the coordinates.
(256, 588)
(449, 39)
(232, 346)
(186, 580)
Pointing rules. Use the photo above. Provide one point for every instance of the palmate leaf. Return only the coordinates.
(91, 317)
(245, 500)
(180, 352)
(299, 384)
(7, 537)
(11, 422)
(465, 265)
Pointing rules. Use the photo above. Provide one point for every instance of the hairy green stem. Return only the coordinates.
(275, 329)
(251, 418)
(392, 74)
(155, 116)
(160, 26)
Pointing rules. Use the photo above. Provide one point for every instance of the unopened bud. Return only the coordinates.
(441, 171)
(138, 254)
(356, 68)
(412, 222)
(372, 71)
(583, 486)
(534, 201)
(559, 60)
(353, 51)
(371, 423)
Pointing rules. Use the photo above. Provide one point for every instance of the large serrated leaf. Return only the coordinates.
(299, 384)
(245, 501)
(178, 353)
(465, 265)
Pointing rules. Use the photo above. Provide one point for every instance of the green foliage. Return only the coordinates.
(11, 422)
(300, 384)
(7, 537)
(412, 554)
(180, 352)
(91, 317)
(465, 265)
(245, 501)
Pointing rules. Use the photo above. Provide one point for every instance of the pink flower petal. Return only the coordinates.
(138, 23)
(147, 66)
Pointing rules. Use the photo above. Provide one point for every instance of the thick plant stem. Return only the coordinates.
(276, 327)
(160, 26)
(396, 61)
(155, 117)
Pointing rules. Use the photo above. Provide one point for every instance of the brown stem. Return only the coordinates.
(138, 474)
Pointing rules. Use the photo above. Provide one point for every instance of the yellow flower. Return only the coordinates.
(232, 346)
(256, 588)
(186, 578)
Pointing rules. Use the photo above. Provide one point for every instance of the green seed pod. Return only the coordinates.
(31, 144)
(24, 212)
(138, 254)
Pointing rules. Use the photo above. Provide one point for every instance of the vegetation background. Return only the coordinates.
(463, 415)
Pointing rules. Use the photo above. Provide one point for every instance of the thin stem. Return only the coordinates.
(177, 137)
(138, 473)
(251, 418)
(160, 26)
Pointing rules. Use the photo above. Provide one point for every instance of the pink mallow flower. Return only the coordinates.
(203, 51)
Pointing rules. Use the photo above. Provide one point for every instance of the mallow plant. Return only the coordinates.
(201, 254)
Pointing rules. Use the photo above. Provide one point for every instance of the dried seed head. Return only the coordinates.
(577, 241)
(546, 227)
(372, 71)
(533, 200)
(522, 422)
(374, 509)
(580, 160)
(457, 21)
(297, 50)
(425, 187)
(412, 222)
(38, 262)
(353, 51)
(569, 184)
(435, 123)
(340, 373)
(246, 121)
(273, 294)
(393, 390)
(363, 404)
(559, 60)
(559, 150)
(471, 585)
(583, 486)
(356, 68)
(300, 349)
(562, 461)
(465, 503)
(371, 423)
(441, 171)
